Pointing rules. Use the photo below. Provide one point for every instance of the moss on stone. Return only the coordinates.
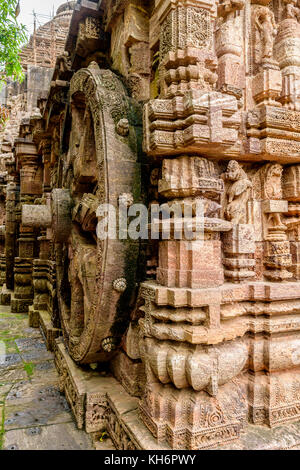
(2, 420)
(29, 368)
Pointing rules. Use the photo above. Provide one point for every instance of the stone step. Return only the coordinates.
(100, 404)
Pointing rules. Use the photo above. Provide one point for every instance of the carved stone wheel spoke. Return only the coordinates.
(96, 278)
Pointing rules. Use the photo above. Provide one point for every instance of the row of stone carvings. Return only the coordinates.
(212, 342)
(220, 333)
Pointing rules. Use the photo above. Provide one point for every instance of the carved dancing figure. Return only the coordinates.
(238, 193)
(265, 23)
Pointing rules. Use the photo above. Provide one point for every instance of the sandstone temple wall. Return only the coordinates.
(165, 343)
(38, 59)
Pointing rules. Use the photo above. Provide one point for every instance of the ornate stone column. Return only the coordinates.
(45, 151)
(53, 218)
(11, 229)
(229, 46)
(266, 82)
(30, 188)
(188, 181)
(23, 293)
(2, 255)
(2, 229)
(191, 396)
(277, 247)
(39, 217)
(43, 312)
(291, 193)
(287, 52)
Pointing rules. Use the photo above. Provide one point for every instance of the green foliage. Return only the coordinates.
(2, 419)
(29, 368)
(12, 37)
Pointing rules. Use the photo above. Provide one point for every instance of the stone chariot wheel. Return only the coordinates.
(96, 278)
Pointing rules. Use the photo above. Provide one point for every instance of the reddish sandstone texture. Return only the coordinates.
(163, 102)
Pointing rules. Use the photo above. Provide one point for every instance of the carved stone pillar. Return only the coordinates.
(277, 247)
(189, 112)
(186, 182)
(2, 227)
(2, 256)
(30, 187)
(291, 193)
(53, 218)
(45, 150)
(39, 216)
(23, 293)
(188, 62)
(183, 343)
(287, 52)
(229, 46)
(30, 174)
(266, 83)
(12, 200)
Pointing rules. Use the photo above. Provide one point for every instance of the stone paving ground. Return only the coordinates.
(33, 413)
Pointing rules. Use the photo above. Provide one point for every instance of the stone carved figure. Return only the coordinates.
(229, 45)
(266, 26)
(272, 181)
(272, 176)
(228, 8)
(238, 192)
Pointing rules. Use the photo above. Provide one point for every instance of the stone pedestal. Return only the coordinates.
(23, 294)
(239, 249)
(190, 264)
(267, 86)
(277, 248)
(229, 46)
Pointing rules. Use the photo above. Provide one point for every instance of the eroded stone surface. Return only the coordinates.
(57, 437)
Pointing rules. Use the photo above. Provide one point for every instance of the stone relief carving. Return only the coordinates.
(292, 11)
(211, 342)
(272, 181)
(238, 193)
(228, 8)
(229, 46)
(267, 28)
